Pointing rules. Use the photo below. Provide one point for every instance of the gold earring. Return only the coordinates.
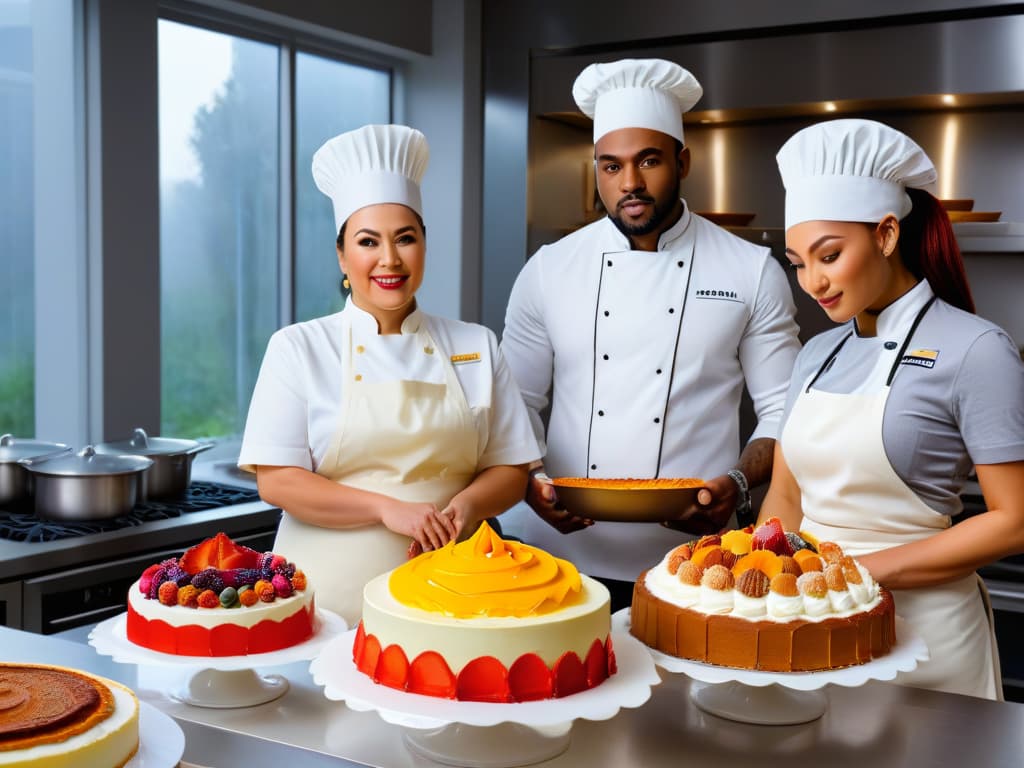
(346, 284)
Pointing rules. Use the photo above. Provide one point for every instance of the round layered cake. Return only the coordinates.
(486, 620)
(54, 717)
(220, 599)
(764, 600)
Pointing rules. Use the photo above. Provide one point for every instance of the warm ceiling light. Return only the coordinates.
(830, 106)
(948, 98)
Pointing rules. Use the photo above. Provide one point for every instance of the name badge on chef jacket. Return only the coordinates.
(467, 357)
(925, 358)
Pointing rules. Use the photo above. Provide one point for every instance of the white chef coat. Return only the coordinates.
(647, 353)
(296, 403)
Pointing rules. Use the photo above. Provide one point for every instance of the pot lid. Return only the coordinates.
(13, 448)
(142, 444)
(87, 462)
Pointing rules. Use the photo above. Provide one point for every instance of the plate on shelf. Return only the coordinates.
(627, 501)
(956, 216)
(961, 204)
(724, 219)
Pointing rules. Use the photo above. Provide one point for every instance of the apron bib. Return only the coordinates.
(850, 494)
(410, 440)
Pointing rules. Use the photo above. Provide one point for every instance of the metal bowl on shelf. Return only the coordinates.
(625, 500)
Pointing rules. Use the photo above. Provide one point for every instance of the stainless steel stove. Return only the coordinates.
(55, 576)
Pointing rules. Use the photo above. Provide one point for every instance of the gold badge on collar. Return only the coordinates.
(466, 357)
(924, 358)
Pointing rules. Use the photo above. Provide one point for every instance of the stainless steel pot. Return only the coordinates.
(15, 481)
(172, 458)
(87, 485)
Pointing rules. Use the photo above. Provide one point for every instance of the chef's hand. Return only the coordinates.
(540, 495)
(421, 522)
(711, 510)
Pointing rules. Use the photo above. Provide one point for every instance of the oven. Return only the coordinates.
(55, 576)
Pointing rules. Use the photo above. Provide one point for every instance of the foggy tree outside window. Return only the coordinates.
(17, 248)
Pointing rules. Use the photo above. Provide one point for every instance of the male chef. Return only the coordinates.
(640, 331)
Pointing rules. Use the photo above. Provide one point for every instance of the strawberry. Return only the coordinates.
(770, 536)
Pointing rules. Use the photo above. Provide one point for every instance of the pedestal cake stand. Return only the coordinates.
(483, 735)
(781, 698)
(220, 682)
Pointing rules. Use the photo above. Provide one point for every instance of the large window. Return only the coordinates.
(17, 306)
(330, 97)
(224, 209)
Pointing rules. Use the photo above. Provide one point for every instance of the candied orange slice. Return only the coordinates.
(810, 538)
(766, 562)
(737, 542)
(808, 561)
(705, 557)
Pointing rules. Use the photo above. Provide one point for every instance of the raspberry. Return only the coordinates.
(277, 562)
(168, 593)
(282, 587)
(208, 599)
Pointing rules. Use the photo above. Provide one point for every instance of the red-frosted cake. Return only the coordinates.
(763, 599)
(486, 620)
(220, 599)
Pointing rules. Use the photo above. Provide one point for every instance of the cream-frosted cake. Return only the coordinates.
(55, 717)
(763, 599)
(486, 620)
(220, 599)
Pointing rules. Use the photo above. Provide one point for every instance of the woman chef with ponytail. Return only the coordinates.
(888, 413)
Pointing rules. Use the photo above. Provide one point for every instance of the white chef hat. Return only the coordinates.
(636, 93)
(851, 170)
(370, 165)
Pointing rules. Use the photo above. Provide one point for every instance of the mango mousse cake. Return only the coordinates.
(220, 599)
(55, 717)
(763, 599)
(486, 620)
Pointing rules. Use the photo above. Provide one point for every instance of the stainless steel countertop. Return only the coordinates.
(878, 724)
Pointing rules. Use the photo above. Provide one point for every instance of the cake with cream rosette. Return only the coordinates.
(763, 599)
(486, 620)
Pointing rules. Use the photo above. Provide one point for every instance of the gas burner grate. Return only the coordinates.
(22, 526)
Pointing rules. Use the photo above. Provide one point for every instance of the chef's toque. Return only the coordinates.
(636, 93)
(371, 165)
(851, 170)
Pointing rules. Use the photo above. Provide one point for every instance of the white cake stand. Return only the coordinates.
(220, 682)
(479, 734)
(781, 698)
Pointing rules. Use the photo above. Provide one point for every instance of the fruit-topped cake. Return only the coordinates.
(56, 717)
(485, 620)
(763, 599)
(220, 599)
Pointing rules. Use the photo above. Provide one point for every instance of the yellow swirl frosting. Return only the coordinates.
(486, 576)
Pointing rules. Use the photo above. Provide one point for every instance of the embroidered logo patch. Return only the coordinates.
(714, 293)
(924, 358)
(467, 357)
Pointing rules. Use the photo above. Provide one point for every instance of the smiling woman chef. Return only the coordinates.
(887, 413)
(381, 424)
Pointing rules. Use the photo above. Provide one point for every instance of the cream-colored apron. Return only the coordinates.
(850, 494)
(411, 440)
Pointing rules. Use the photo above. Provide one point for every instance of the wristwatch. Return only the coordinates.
(743, 511)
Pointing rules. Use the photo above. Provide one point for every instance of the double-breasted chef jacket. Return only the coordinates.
(414, 415)
(643, 357)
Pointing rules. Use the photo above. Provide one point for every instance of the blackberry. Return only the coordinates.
(159, 577)
(797, 542)
(208, 579)
(264, 561)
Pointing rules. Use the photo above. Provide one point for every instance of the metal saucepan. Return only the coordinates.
(172, 458)
(87, 485)
(15, 481)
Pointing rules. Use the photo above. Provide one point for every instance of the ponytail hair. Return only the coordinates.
(929, 250)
